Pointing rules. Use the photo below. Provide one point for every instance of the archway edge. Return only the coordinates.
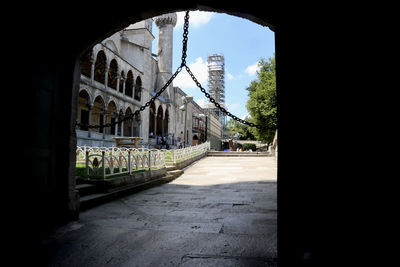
(265, 17)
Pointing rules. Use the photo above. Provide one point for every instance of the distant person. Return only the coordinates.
(179, 141)
(158, 139)
(182, 139)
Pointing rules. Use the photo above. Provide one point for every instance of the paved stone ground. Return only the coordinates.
(220, 212)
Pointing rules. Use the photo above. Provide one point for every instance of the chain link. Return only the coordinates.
(183, 65)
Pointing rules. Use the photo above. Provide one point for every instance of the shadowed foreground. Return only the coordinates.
(220, 212)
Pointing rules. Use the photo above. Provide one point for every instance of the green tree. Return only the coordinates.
(262, 103)
(236, 127)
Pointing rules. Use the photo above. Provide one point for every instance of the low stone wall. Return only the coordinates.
(116, 183)
(185, 163)
(127, 182)
(238, 154)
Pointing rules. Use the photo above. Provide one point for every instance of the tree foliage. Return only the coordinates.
(262, 103)
(236, 127)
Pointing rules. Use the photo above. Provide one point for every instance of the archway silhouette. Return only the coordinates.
(51, 93)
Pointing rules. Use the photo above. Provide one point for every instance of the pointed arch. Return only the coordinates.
(128, 123)
(160, 117)
(86, 63)
(138, 88)
(97, 115)
(120, 116)
(100, 67)
(83, 109)
(111, 116)
(111, 45)
(166, 119)
(129, 84)
(113, 75)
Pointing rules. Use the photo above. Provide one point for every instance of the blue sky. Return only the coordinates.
(242, 42)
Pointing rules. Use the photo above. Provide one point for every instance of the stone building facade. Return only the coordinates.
(213, 129)
(121, 74)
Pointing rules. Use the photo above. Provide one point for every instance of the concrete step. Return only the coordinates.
(90, 196)
(170, 168)
(92, 200)
(237, 154)
(95, 199)
(168, 178)
(86, 189)
(175, 173)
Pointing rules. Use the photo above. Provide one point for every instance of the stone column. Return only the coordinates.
(122, 126)
(93, 61)
(123, 86)
(104, 121)
(89, 106)
(155, 125)
(162, 127)
(116, 125)
(118, 79)
(165, 24)
(106, 78)
(133, 89)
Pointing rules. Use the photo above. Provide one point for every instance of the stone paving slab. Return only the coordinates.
(199, 219)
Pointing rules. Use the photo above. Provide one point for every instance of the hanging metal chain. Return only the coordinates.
(183, 64)
(211, 99)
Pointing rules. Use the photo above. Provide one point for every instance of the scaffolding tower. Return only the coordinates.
(216, 84)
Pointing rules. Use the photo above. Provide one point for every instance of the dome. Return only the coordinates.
(169, 18)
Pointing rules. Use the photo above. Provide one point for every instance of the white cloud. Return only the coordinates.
(232, 107)
(252, 69)
(246, 116)
(196, 18)
(203, 103)
(200, 71)
(229, 75)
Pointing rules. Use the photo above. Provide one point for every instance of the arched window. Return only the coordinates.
(97, 116)
(129, 84)
(128, 124)
(83, 109)
(120, 116)
(121, 82)
(166, 118)
(86, 64)
(111, 117)
(160, 113)
(100, 67)
(138, 89)
(112, 75)
(136, 126)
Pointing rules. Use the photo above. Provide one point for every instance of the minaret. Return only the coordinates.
(165, 24)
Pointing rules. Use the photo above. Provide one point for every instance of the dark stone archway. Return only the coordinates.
(159, 121)
(49, 91)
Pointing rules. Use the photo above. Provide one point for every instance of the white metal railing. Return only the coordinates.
(103, 162)
(189, 152)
